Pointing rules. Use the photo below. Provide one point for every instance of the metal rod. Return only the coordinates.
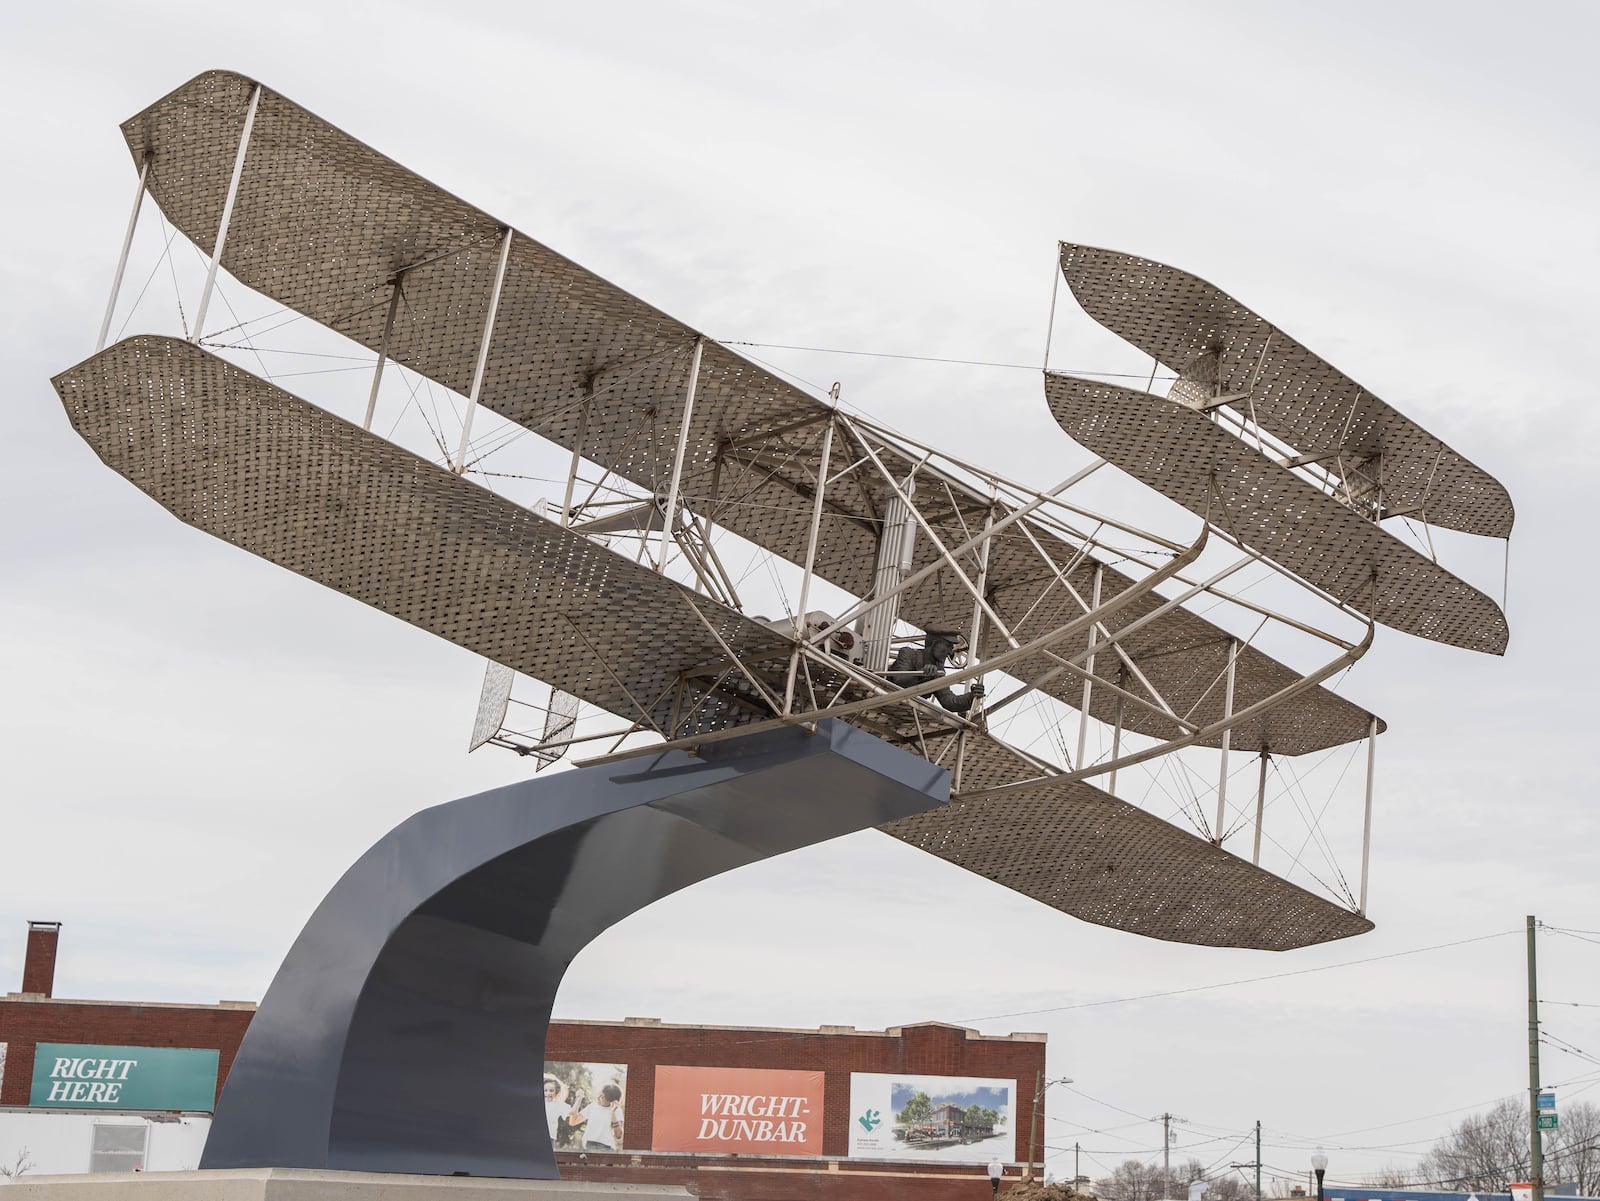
(577, 457)
(810, 565)
(122, 259)
(1261, 805)
(1366, 821)
(1088, 680)
(1055, 287)
(975, 632)
(939, 546)
(677, 458)
(1116, 749)
(998, 663)
(483, 350)
(1127, 662)
(606, 667)
(383, 353)
(1284, 694)
(1010, 518)
(1227, 740)
(227, 214)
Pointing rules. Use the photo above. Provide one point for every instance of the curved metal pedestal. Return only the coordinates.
(405, 1030)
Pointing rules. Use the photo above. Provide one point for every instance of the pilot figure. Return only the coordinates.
(916, 664)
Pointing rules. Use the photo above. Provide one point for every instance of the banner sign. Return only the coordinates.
(947, 1119)
(3, 1064)
(738, 1111)
(70, 1076)
(583, 1105)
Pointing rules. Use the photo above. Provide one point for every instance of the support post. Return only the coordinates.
(1088, 666)
(227, 214)
(801, 631)
(1116, 747)
(577, 458)
(383, 353)
(1535, 1139)
(1366, 820)
(1033, 1125)
(1261, 810)
(975, 631)
(482, 364)
(895, 546)
(678, 453)
(1227, 739)
(122, 259)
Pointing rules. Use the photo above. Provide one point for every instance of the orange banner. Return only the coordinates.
(743, 1111)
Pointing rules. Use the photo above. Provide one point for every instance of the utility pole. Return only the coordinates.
(1535, 1139)
(1033, 1123)
(1256, 1165)
(1076, 1175)
(1166, 1156)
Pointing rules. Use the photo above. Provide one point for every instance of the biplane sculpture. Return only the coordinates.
(971, 594)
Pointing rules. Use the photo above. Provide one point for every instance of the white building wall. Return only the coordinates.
(58, 1142)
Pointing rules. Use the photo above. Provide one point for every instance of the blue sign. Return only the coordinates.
(1547, 1102)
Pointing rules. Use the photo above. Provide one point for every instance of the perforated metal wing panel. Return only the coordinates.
(1188, 458)
(325, 225)
(257, 467)
(1074, 848)
(1194, 328)
(243, 460)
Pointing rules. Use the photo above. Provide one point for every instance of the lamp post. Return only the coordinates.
(1040, 1084)
(1319, 1165)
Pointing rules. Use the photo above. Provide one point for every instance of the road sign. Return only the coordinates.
(1547, 1102)
(1547, 1121)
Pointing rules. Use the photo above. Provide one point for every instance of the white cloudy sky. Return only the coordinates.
(194, 744)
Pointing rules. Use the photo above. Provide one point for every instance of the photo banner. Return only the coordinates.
(583, 1105)
(942, 1119)
(738, 1111)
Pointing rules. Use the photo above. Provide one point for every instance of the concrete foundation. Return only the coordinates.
(299, 1184)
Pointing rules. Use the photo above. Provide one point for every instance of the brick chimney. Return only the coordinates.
(39, 967)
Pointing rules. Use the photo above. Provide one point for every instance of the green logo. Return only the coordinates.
(870, 1120)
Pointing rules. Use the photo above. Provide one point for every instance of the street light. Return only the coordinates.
(1033, 1125)
(1319, 1165)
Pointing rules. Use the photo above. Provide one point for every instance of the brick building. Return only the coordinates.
(753, 1113)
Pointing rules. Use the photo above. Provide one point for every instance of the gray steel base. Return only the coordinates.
(405, 1030)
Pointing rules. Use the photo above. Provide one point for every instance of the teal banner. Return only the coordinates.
(80, 1077)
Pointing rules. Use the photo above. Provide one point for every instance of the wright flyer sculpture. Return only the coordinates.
(716, 735)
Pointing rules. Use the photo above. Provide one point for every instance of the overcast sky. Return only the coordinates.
(194, 743)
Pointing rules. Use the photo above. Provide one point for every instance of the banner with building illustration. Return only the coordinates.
(584, 1105)
(738, 1111)
(944, 1119)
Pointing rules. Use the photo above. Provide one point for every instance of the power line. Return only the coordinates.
(1176, 992)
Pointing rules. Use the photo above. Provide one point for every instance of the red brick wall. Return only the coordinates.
(923, 1050)
(24, 1023)
(39, 964)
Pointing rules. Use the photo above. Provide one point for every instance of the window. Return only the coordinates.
(118, 1148)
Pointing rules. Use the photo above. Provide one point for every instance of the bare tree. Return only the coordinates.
(1484, 1153)
(1392, 1176)
(20, 1167)
(1131, 1180)
(1572, 1150)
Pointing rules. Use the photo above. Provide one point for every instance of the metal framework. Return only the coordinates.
(621, 598)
